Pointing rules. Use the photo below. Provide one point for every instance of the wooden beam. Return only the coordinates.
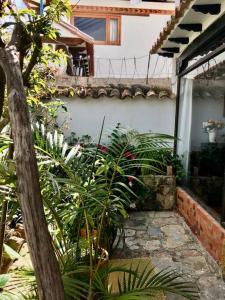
(133, 11)
(28, 2)
(171, 49)
(166, 54)
(67, 41)
(90, 53)
(182, 69)
(211, 38)
(212, 9)
(180, 40)
(196, 27)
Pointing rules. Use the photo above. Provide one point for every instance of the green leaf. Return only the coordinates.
(4, 278)
(36, 88)
(10, 252)
(120, 170)
(100, 170)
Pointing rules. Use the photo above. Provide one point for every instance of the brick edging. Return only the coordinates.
(209, 232)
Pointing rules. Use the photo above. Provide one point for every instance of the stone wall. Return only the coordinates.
(163, 192)
(72, 81)
(210, 233)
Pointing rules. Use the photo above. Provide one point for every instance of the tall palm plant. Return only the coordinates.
(94, 180)
(95, 191)
(89, 187)
(133, 283)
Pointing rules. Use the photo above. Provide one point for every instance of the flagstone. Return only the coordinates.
(166, 238)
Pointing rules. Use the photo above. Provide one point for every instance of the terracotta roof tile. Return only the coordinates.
(112, 91)
(179, 12)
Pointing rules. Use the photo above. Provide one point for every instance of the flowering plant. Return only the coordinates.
(212, 125)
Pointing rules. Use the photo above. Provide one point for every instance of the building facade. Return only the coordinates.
(124, 31)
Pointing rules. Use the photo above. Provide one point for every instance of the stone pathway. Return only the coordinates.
(165, 237)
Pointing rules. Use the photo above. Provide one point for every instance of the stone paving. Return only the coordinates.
(165, 237)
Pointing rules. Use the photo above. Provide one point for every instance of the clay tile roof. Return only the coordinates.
(120, 91)
(114, 93)
(179, 12)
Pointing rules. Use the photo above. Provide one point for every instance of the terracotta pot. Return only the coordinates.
(94, 233)
(83, 233)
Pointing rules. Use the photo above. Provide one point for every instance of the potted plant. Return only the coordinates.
(211, 127)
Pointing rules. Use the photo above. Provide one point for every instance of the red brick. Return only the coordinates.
(210, 233)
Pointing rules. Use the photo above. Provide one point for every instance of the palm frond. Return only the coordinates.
(136, 283)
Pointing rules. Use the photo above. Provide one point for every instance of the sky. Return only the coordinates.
(20, 4)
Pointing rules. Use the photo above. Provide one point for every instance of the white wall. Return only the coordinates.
(208, 103)
(140, 114)
(137, 37)
(125, 3)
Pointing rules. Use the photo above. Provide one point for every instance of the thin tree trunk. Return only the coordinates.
(5, 202)
(2, 230)
(45, 264)
(4, 212)
(2, 90)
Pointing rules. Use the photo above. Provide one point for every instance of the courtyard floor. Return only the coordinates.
(165, 237)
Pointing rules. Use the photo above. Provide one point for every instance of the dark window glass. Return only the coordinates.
(95, 27)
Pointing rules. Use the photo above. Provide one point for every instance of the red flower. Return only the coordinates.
(130, 178)
(103, 148)
(129, 155)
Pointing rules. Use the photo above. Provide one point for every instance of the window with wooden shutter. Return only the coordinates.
(105, 30)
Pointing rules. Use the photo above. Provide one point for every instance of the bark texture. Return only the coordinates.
(45, 264)
(4, 213)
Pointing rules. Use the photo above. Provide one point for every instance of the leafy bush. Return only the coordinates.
(87, 190)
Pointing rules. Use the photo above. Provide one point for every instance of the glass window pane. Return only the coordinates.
(113, 30)
(95, 27)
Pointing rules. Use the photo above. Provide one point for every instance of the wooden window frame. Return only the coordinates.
(107, 18)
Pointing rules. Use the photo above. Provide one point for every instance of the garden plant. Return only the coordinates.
(71, 199)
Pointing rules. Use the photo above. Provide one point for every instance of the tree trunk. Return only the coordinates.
(4, 213)
(2, 230)
(39, 241)
(2, 90)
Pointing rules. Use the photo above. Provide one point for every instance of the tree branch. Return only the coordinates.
(4, 122)
(2, 44)
(33, 61)
(21, 39)
(17, 35)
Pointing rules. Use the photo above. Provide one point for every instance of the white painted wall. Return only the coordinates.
(208, 103)
(86, 115)
(125, 3)
(137, 37)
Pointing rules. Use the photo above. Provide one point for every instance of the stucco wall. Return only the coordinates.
(138, 35)
(140, 114)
